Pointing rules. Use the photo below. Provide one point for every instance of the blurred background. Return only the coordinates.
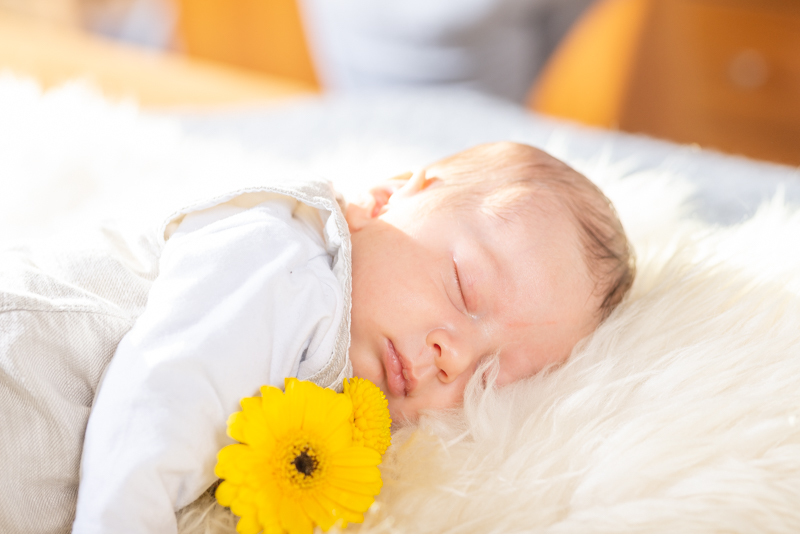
(722, 74)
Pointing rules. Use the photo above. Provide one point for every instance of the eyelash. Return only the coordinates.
(458, 283)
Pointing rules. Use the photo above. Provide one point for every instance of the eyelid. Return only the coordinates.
(460, 288)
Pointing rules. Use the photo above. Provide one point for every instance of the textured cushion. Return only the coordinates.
(62, 314)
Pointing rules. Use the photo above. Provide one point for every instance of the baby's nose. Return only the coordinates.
(453, 355)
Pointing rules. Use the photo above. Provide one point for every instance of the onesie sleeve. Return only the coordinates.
(241, 298)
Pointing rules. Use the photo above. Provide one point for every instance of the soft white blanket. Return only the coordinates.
(680, 414)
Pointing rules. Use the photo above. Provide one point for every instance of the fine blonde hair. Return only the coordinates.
(509, 178)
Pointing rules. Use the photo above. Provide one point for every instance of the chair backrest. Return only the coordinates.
(265, 35)
(721, 73)
(587, 76)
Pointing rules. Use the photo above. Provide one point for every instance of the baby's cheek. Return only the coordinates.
(367, 366)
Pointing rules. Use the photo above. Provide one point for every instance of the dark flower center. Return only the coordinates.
(305, 463)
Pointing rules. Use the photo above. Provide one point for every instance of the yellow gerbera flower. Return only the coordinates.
(296, 465)
(372, 425)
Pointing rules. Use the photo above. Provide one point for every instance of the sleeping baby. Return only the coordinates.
(499, 252)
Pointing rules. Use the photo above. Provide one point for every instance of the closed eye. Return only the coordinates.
(460, 289)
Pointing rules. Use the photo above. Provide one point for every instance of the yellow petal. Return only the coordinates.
(233, 461)
(267, 501)
(250, 425)
(296, 401)
(226, 492)
(364, 474)
(338, 510)
(269, 391)
(273, 404)
(244, 501)
(248, 514)
(312, 391)
(330, 409)
(341, 408)
(289, 383)
(258, 433)
(236, 423)
(248, 524)
(314, 510)
(250, 405)
(339, 413)
(354, 501)
(293, 518)
(366, 480)
(273, 528)
(340, 437)
(356, 457)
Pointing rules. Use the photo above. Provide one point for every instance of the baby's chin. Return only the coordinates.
(400, 416)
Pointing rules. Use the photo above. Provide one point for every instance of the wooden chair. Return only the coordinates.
(265, 35)
(724, 74)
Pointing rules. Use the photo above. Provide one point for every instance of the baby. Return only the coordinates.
(500, 251)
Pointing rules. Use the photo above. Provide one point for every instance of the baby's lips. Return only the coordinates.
(396, 382)
(407, 372)
(408, 375)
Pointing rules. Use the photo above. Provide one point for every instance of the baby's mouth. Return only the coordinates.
(398, 380)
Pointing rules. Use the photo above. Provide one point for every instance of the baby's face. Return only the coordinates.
(435, 291)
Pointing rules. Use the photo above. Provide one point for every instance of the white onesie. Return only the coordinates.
(246, 295)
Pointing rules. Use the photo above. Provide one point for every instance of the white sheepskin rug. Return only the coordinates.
(680, 414)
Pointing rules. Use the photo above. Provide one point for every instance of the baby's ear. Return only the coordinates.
(412, 184)
(377, 200)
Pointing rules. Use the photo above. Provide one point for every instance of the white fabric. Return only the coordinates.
(63, 309)
(244, 297)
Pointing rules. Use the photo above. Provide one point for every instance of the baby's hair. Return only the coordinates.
(505, 178)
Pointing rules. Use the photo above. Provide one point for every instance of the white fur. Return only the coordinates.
(680, 414)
